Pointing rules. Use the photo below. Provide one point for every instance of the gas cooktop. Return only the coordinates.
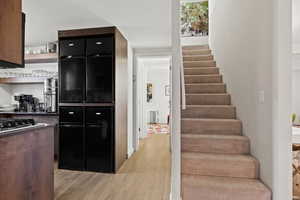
(10, 124)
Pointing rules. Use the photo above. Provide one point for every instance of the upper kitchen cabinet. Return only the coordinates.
(12, 23)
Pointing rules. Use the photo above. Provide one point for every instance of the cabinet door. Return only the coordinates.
(72, 79)
(99, 143)
(99, 79)
(71, 115)
(11, 36)
(71, 147)
(72, 48)
(102, 45)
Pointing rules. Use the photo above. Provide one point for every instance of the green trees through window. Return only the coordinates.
(194, 19)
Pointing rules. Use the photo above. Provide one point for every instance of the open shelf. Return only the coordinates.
(25, 80)
(41, 58)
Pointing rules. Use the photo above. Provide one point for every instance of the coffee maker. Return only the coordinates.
(27, 103)
(50, 95)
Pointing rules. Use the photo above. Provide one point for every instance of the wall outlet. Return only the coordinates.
(261, 96)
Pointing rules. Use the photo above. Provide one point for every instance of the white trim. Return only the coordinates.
(165, 51)
(175, 105)
(282, 100)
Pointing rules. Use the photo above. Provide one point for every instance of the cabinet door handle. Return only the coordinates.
(71, 44)
(99, 43)
(71, 113)
(98, 113)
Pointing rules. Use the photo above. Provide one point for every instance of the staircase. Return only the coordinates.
(216, 162)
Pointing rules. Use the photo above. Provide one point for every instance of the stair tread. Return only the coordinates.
(208, 106)
(204, 84)
(215, 156)
(212, 119)
(201, 61)
(229, 137)
(208, 67)
(204, 75)
(226, 183)
(211, 94)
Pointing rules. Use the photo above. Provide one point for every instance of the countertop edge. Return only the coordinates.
(24, 130)
(29, 114)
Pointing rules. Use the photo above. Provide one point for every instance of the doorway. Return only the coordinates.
(152, 87)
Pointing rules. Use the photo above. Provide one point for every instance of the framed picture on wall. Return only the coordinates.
(149, 92)
(167, 90)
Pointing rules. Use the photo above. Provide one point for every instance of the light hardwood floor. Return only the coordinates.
(145, 176)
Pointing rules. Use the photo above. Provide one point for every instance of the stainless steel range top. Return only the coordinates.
(12, 124)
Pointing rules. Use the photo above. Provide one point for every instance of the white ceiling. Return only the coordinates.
(296, 21)
(144, 23)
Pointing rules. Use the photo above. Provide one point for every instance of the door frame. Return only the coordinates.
(140, 54)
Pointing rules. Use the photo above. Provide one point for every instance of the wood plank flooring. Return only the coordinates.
(145, 176)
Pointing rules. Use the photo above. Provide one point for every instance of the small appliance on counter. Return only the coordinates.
(27, 103)
(50, 95)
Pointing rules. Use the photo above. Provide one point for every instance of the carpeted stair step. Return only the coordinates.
(201, 71)
(207, 99)
(203, 78)
(196, 52)
(198, 58)
(209, 111)
(211, 126)
(196, 64)
(225, 165)
(222, 144)
(195, 47)
(205, 88)
(223, 188)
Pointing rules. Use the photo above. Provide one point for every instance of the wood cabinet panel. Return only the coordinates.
(121, 94)
(11, 32)
(27, 164)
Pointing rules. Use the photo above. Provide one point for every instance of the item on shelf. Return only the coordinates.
(51, 47)
(27, 103)
(50, 95)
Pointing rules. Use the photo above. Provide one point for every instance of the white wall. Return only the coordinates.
(240, 37)
(5, 94)
(296, 26)
(159, 77)
(296, 86)
(130, 101)
(190, 41)
(296, 59)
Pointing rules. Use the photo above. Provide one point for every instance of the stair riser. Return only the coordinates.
(199, 64)
(212, 127)
(208, 99)
(196, 52)
(196, 47)
(198, 58)
(203, 79)
(209, 112)
(220, 88)
(220, 167)
(201, 71)
(215, 145)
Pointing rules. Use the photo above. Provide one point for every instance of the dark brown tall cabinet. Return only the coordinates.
(93, 99)
(12, 23)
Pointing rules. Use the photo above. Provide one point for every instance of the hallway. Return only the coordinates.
(145, 176)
